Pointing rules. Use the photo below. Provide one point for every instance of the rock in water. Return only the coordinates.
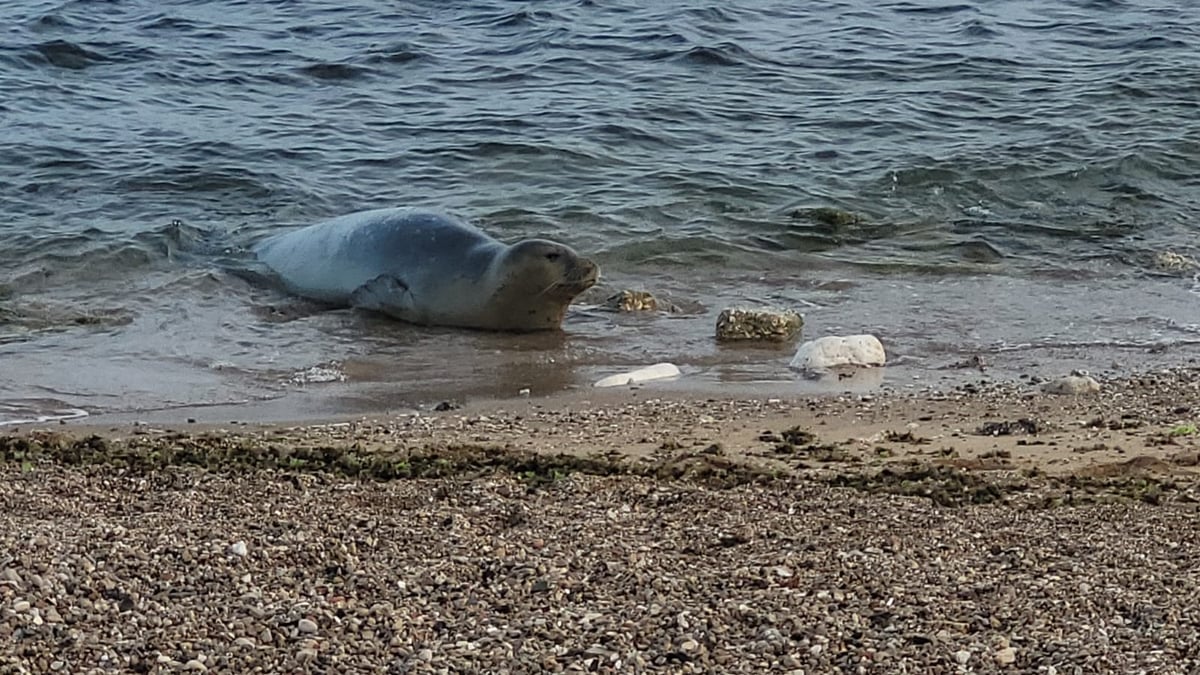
(632, 301)
(834, 351)
(658, 371)
(769, 325)
(1174, 263)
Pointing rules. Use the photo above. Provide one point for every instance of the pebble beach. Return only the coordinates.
(994, 529)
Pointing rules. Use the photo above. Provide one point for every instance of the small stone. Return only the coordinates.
(835, 351)
(57, 665)
(962, 656)
(689, 645)
(1006, 656)
(1072, 385)
(53, 616)
(425, 655)
(307, 626)
(306, 655)
(11, 575)
(238, 548)
(244, 642)
(21, 606)
(658, 371)
(196, 665)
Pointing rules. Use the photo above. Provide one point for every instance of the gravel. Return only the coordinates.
(103, 569)
(868, 534)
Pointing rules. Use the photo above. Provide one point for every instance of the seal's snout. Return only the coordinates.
(589, 271)
(582, 275)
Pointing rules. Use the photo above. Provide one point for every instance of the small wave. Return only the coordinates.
(713, 14)
(37, 411)
(978, 29)
(502, 149)
(1152, 43)
(334, 71)
(722, 55)
(50, 22)
(396, 54)
(27, 318)
(907, 8)
(169, 23)
(64, 54)
(522, 18)
(187, 179)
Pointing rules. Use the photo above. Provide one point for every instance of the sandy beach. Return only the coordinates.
(988, 528)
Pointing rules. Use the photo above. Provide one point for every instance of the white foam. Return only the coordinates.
(29, 412)
(319, 374)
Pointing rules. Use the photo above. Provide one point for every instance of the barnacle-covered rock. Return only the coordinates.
(769, 325)
(632, 301)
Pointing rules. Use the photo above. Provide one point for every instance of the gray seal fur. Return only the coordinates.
(428, 268)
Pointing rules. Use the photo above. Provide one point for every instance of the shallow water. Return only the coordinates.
(1016, 167)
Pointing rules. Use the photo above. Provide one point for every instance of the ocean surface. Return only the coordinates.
(1014, 180)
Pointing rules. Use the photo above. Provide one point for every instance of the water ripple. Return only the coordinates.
(1014, 137)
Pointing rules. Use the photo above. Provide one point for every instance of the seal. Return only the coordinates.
(427, 268)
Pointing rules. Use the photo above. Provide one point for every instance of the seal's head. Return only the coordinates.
(540, 279)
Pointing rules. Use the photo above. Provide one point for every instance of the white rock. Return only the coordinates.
(1006, 656)
(962, 656)
(658, 371)
(1073, 384)
(833, 351)
(238, 548)
(307, 626)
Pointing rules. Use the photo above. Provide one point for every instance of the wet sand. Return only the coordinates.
(983, 529)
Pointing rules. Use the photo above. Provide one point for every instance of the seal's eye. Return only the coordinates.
(553, 257)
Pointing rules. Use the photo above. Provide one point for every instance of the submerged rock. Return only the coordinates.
(632, 301)
(1174, 263)
(838, 351)
(658, 371)
(828, 215)
(770, 325)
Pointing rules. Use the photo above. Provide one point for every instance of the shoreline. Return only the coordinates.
(1148, 421)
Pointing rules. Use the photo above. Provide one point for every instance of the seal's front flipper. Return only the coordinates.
(385, 294)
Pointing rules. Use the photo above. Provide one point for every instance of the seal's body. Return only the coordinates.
(428, 268)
